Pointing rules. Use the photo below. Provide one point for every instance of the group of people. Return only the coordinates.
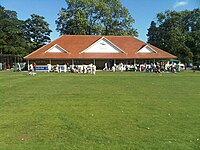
(91, 68)
(55, 68)
(157, 67)
(121, 67)
(160, 67)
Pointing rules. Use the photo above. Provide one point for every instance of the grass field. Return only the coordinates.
(107, 111)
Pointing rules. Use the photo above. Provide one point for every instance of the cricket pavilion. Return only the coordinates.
(98, 50)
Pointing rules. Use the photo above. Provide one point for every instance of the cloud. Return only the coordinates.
(180, 3)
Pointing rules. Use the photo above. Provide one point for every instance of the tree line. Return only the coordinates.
(175, 32)
(22, 36)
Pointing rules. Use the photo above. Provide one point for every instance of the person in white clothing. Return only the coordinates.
(105, 67)
(121, 67)
(19, 67)
(49, 67)
(31, 67)
(57, 68)
(65, 67)
(93, 69)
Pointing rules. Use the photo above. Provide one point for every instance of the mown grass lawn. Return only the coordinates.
(107, 111)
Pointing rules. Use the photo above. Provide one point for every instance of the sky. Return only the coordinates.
(143, 11)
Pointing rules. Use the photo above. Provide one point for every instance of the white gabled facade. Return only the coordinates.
(56, 49)
(103, 45)
(147, 49)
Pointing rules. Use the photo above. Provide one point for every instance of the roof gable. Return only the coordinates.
(146, 49)
(56, 49)
(103, 45)
(83, 47)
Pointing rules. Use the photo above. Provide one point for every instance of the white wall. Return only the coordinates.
(146, 49)
(102, 46)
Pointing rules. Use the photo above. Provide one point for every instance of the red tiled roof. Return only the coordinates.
(75, 44)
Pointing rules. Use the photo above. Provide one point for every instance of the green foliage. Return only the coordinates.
(108, 111)
(11, 33)
(107, 17)
(152, 34)
(37, 31)
(21, 37)
(177, 33)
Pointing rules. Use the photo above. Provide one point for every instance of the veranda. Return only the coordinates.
(8, 61)
(100, 63)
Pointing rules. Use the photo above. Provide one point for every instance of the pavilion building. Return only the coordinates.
(87, 49)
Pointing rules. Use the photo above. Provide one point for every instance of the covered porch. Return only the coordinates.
(100, 63)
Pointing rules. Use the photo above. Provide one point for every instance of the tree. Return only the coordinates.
(116, 19)
(11, 34)
(37, 31)
(177, 33)
(153, 34)
(193, 33)
(105, 17)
